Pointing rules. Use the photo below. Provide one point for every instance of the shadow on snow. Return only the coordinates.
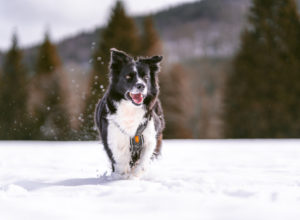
(35, 185)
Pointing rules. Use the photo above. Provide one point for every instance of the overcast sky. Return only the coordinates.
(30, 18)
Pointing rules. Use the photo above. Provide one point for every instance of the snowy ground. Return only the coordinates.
(207, 180)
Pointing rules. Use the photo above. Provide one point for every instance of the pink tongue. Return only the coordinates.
(137, 98)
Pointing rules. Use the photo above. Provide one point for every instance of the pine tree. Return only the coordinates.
(262, 95)
(151, 43)
(120, 33)
(48, 60)
(49, 115)
(177, 102)
(13, 96)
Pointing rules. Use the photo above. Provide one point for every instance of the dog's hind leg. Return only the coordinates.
(157, 150)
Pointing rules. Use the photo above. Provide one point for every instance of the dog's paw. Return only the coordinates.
(138, 171)
(123, 170)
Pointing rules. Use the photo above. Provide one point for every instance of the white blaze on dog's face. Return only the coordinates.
(129, 78)
(138, 84)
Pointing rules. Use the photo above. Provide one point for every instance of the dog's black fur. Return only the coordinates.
(122, 66)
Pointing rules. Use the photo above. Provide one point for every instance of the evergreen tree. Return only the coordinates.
(176, 98)
(150, 43)
(48, 60)
(262, 95)
(120, 33)
(50, 118)
(13, 96)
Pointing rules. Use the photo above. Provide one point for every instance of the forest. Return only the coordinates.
(231, 70)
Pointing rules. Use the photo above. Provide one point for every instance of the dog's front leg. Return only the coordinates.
(121, 154)
(122, 165)
(120, 148)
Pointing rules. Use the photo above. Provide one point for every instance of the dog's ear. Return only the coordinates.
(117, 60)
(153, 63)
(118, 57)
(152, 60)
(156, 59)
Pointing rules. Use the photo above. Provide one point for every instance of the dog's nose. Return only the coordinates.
(140, 86)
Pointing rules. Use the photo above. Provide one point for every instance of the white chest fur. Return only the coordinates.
(127, 118)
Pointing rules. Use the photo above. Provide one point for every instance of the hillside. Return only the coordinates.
(202, 28)
(208, 27)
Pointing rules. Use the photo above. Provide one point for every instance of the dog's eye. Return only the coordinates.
(128, 77)
(146, 77)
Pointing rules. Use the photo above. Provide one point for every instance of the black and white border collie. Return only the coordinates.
(129, 116)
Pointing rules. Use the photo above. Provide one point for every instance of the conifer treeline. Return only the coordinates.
(13, 96)
(262, 95)
(46, 102)
(34, 106)
(261, 98)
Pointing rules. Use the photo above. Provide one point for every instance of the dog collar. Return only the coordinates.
(138, 132)
(120, 128)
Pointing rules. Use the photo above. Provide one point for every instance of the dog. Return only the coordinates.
(129, 117)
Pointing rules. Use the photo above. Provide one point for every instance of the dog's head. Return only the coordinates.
(134, 80)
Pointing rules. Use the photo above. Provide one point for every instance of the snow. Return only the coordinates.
(208, 179)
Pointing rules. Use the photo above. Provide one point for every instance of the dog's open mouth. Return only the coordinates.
(137, 98)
